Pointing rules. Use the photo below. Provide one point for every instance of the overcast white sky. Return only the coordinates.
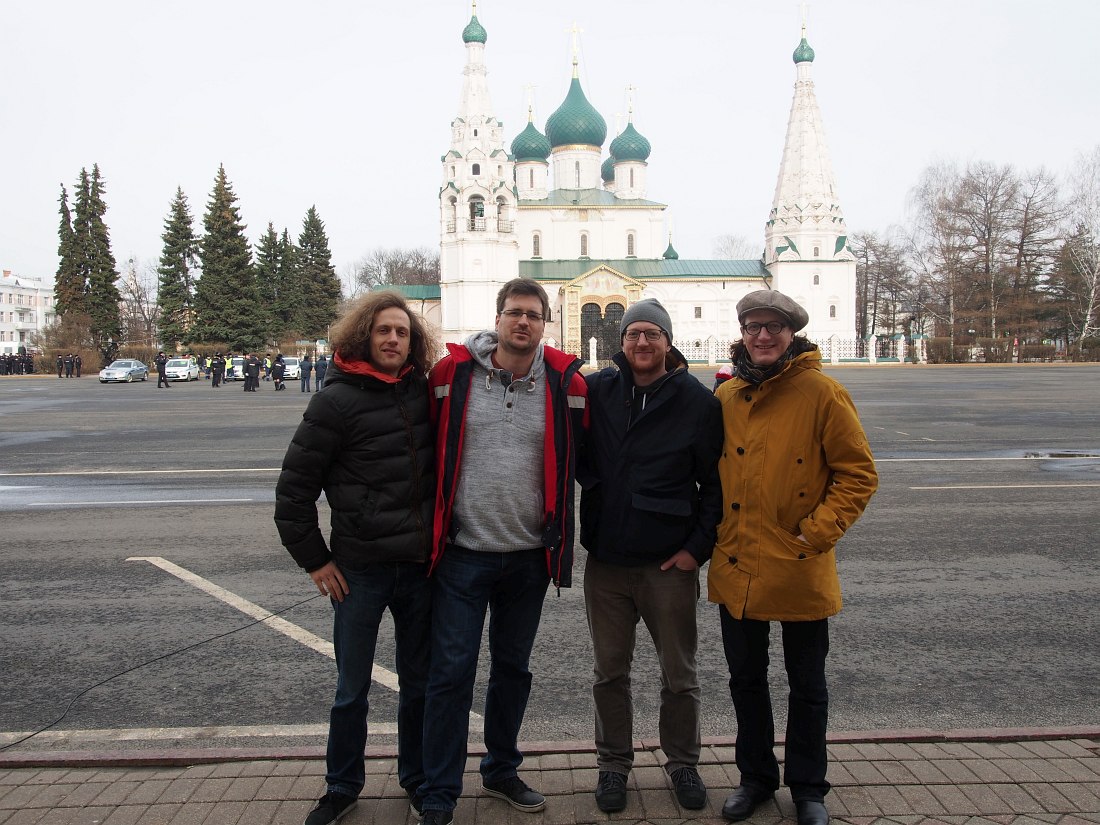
(347, 105)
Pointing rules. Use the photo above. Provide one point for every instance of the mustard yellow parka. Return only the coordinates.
(796, 461)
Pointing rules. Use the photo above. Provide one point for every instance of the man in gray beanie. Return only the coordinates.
(650, 507)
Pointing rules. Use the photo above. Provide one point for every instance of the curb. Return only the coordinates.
(200, 756)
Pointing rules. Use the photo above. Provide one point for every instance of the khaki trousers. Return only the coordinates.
(615, 599)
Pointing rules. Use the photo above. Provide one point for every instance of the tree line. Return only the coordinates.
(992, 256)
(210, 288)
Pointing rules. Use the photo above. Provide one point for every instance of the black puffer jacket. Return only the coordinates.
(369, 444)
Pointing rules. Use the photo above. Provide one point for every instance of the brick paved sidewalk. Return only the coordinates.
(880, 779)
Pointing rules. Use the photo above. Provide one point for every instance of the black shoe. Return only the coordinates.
(438, 818)
(743, 801)
(516, 793)
(611, 792)
(330, 808)
(811, 813)
(416, 802)
(691, 793)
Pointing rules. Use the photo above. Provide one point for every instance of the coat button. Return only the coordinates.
(733, 560)
(800, 461)
(508, 405)
(748, 398)
(801, 495)
(802, 555)
(740, 450)
(735, 506)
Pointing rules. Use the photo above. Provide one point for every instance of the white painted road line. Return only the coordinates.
(143, 472)
(991, 458)
(384, 677)
(149, 501)
(1005, 486)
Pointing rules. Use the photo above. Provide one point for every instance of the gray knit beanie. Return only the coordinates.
(650, 310)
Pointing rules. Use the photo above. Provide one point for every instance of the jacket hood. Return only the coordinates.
(482, 345)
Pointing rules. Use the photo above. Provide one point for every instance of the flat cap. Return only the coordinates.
(776, 301)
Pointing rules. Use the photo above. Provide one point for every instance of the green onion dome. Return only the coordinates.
(576, 121)
(630, 145)
(474, 32)
(803, 54)
(607, 170)
(530, 144)
(670, 253)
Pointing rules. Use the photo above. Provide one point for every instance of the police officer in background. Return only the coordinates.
(160, 361)
(217, 369)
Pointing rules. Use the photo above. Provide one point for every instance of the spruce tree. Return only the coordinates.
(320, 284)
(94, 263)
(268, 264)
(291, 294)
(176, 284)
(226, 300)
(68, 284)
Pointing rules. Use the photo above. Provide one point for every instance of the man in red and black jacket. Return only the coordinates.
(509, 413)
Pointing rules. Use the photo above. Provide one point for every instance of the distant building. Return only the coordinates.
(552, 206)
(26, 308)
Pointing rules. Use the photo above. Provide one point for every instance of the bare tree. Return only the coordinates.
(397, 267)
(1037, 220)
(1083, 246)
(986, 203)
(138, 307)
(736, 248)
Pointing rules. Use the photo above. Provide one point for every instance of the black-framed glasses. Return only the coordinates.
(516, 314)
(651, 335)
(773, 327)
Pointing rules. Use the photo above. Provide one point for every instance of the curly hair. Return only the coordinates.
(350, 334)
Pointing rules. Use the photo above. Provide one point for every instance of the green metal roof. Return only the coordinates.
(804, 54)
(530, 144)
(474, 32)
(588, 199)
(417, 292)
(576, 121)
(630, 145)
(648, 270)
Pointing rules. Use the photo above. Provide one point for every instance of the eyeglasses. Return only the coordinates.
(651, 335)
(516, 314)
(773, 327)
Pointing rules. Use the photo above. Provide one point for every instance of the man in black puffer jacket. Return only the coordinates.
(367, 441)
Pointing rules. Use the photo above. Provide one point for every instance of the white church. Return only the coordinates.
(553, 206)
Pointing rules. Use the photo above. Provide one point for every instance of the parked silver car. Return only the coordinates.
(124, 369)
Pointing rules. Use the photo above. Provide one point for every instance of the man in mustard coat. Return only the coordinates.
(796, 474)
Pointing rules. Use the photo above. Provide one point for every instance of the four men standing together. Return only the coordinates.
(766, 475)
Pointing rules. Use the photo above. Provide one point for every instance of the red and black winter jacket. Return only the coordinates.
(567, 421)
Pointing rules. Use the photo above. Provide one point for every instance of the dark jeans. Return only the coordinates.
(805, 646)
(466, 583)
(405, 589)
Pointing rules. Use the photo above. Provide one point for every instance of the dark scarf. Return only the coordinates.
(750, 372)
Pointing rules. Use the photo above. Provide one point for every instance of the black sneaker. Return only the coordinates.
(691, 793)
(515, 792)
(611, 792)
(437, 818)
(416, 802)
(331, 807)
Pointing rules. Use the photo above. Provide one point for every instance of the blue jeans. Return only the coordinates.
(405, 589)
(466, 583)
(805, 647)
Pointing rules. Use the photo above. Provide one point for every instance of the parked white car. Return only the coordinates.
(181, 369)
(293, 368)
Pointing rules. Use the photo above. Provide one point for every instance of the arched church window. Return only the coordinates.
(817, 251)
(632, 178)
(832, 310)
(500, 171)
(475, 170)
(452, 173)
(530, 178)
(817, 280)
(584, 245)
(475, 132)
(630, 245)
(536, 245)
(577, 174)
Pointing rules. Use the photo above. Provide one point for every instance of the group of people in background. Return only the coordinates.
(451, 490)
(17, 364)
(70, 364)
